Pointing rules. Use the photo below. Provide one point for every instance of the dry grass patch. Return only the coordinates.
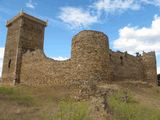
(16, 95)
(129, 109)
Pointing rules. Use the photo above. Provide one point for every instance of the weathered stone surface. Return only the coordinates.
(24, 33)
(91, 60)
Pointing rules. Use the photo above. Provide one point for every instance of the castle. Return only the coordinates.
(91, 59)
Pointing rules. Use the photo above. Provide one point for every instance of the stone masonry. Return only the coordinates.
(91, 59)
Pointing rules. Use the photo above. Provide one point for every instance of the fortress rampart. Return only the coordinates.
(91, 59)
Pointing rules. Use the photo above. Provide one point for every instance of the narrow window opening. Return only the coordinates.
(121, 60)
(110, 56)
(9, 63)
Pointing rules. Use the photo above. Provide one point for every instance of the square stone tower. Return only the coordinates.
(25, 33)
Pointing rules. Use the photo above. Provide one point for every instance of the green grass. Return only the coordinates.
(16, 95)
(130, 109)
(70, 110)
(7, 91)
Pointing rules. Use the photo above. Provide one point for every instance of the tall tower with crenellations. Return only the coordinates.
(25, 33)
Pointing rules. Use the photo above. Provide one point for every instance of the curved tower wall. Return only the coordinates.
(90, 51)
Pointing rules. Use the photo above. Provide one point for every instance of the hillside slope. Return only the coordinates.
(117, 101)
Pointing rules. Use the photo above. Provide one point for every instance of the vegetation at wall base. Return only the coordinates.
(130, 109)
(15, 94)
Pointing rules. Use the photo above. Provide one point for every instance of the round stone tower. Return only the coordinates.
(90, 55)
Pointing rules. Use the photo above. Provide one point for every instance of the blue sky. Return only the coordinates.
(131, 25)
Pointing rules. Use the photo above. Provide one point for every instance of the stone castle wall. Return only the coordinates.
(37, 70)
(125, 67)
(149, 63)
(24, 33)
(32, 35)
(91, 60)
(10, 57)
(90, 55)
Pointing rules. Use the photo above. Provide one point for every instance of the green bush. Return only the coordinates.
(131, 110)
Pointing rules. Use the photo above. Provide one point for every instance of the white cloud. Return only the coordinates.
(110, 6)
(135, 39)
(85, 17)
(152, 2)
(115, 5)
(77, 17)
(158, 70)
(31, 4)
(1, 59)
(60, 58)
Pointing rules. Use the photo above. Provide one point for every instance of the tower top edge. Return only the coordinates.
(25, 15)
